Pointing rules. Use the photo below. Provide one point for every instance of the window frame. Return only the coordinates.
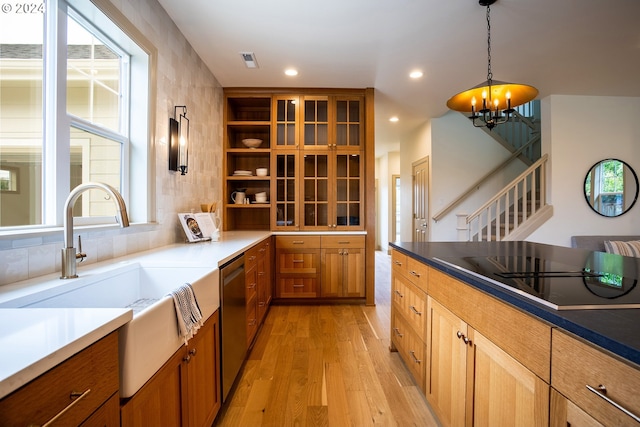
(137, 186)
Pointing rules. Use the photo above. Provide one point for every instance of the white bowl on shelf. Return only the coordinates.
(252, 142)
(262, 172)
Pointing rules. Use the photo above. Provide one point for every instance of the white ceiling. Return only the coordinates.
(584, 47)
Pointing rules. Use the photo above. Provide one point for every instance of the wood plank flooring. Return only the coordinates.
(327, 365)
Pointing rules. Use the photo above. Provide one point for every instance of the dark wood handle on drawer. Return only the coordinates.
(601, 392)
(419, 313)
(68, 407)
(414, 273)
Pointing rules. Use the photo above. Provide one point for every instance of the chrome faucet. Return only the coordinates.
(69, 255)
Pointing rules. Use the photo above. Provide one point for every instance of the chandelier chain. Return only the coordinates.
(489, 73)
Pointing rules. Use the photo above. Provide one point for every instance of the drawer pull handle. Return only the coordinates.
(601, 391)
(463, 337)
(397, 262)
(399, 294)
(415, 359)
(298, 242)
(298, 286)
(397, 331)
(252, 257)
(414, 273)
(419, 313)
(344, 243)
(298, 260)
(79, 396)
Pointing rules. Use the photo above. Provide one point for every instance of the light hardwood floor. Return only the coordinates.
(327, 365)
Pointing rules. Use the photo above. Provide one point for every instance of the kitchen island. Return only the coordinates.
(570, 356)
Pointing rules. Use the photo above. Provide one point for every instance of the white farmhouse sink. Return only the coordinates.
(151, 337)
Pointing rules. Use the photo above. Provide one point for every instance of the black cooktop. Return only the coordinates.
(598, 284)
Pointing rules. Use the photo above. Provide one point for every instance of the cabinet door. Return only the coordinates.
(159, 401)
(204, 375)
(349, 115)
(354, 272)
(348, 206)
(505, 393)
(315, 127)
(285, 122)
(285, 188)
(446, 365)
(332, 261)
(315, 191)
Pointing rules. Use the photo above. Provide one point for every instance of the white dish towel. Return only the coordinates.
(187, 311)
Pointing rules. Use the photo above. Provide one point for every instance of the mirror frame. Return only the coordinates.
(635, 197)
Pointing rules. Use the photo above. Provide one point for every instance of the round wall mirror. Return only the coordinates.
(611, 187)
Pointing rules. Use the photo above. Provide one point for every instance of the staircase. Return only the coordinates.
(521, 206)
(514, 212)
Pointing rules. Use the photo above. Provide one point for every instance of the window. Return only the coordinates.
(65, 109)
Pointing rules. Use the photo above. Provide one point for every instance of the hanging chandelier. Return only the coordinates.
(491, 102)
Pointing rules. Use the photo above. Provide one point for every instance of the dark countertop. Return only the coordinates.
(617, 330)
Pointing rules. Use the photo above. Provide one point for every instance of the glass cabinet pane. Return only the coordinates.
(286, 122)
(348, 123)
(316, 122)
(348, 186)
(315, 190)
(285, 190)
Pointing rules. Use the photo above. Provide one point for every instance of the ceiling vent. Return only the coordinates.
(249, 59)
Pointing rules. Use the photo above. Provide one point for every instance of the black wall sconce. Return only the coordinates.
(179, 140)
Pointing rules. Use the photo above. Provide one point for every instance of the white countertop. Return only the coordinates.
(33, 340)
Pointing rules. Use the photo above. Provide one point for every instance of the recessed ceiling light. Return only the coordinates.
(291, 72)
(394, 119)
(416, 74)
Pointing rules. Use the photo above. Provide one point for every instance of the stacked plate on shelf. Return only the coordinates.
(242, 173)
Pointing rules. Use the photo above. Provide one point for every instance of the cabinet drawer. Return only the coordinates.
(297, 287)
(398, 261)
(411, 348)
(250, 257)
(251, 283)
(411, 302)
(418, 273)
(298, 242)
(85, 380)
(576, 365)
(298, 262)
(343, 241)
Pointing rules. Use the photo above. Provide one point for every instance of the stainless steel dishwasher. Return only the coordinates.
(233, 322)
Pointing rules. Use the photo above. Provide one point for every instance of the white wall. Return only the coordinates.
(386, 166)
(577, 132)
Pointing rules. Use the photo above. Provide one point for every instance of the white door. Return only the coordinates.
(421, 200)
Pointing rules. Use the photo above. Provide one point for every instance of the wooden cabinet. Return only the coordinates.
(297, 266)
(565, 413)
(246, 116)
(314, 266)
(482, 362)
(342, 260)
(314, 145)
(83, 390)
(409, 313)
(258, 286)
(603, 386)
(186, 390)
(471, 381)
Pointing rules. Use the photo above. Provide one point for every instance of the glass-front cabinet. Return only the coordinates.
(313, 152)
(286, 120)
(285, 188)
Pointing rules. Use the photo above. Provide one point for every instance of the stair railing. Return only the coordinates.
(511, 207)
(449, 207)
